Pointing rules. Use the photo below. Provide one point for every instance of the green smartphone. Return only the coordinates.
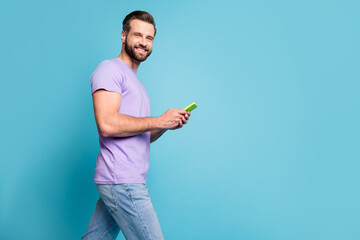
(191, 107)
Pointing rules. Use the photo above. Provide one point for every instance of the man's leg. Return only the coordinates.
(130, 205)
(102, 225)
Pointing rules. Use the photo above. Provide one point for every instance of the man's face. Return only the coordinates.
(139, 40)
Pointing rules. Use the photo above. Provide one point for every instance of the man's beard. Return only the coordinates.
(130, 50)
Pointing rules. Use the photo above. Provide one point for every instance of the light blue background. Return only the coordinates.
(272, 151)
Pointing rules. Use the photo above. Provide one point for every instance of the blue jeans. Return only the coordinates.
(125, 207)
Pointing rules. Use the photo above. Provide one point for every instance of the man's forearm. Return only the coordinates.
(155, 134)
(121, 125)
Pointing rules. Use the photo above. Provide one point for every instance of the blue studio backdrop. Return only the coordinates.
(271, 152)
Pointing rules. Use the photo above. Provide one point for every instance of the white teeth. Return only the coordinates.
(140, 49)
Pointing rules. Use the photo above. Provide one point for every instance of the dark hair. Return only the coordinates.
(140, 15)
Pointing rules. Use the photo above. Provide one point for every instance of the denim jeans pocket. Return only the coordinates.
(106, 192)
(137, 191)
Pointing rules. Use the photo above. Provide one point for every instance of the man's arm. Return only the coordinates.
(112, 124)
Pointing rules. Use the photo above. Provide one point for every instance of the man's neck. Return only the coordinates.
(129, 61)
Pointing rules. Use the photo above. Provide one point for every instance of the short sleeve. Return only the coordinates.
(106, 76)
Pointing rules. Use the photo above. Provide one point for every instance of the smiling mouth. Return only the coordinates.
(140, 50)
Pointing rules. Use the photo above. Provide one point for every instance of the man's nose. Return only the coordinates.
(143, 42)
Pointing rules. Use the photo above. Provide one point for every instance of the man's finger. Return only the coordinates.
(183, 112)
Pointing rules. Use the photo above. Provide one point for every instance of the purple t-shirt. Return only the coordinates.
(122, 159)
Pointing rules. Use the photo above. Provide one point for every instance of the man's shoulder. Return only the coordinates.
(106, 64)
(105, 70)
(108, 76)
(114, 65)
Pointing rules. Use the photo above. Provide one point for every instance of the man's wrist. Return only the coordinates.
(156, 123)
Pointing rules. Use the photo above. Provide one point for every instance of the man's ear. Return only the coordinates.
(123, 36)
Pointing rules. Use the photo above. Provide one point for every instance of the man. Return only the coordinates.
(122, 113)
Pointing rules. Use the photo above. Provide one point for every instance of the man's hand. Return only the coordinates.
(174, 118)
